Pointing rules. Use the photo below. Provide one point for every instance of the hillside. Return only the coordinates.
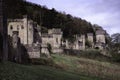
(63, 67)
(13, 71)
(103, 69)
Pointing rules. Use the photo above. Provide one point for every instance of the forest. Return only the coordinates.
(49, 18)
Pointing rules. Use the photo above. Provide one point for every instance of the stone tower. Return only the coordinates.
(3, 30)
(25, 28)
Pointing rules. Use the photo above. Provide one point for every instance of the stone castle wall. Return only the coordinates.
(24, 28)
(27, 30)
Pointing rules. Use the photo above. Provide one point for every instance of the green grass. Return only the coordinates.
(13, 71)
(91, 67)
(64, 68)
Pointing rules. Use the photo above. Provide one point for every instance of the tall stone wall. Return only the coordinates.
(57, 40)
(90, 37)
(24, 27)
(100, 38)
(30, 32)
(25, 23)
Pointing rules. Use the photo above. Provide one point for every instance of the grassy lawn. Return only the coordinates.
(13, 71)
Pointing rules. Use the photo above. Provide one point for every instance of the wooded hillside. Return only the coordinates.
(49, 18)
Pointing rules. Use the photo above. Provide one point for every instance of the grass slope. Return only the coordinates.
(13, 71)
(102, 69)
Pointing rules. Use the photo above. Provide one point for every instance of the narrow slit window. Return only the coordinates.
(17, 27)
(22, 27)
(11, 27)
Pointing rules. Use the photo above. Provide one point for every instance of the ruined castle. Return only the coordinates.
(37, 42)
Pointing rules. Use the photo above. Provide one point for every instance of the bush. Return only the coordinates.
(94, 54)
(91, 53)
(115, 55)
(43, 61)
(72, 52)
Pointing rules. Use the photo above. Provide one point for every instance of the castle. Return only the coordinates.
(24, 28)
(27, 31)
(37, 42)
(54, 38)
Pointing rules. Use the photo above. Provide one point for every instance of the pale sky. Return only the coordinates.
(105, 13)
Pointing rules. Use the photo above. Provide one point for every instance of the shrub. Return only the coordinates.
(115, 55)
(94, 54)
(90, 53)
(43, 61)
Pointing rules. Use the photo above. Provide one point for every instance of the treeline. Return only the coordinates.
(49, 18)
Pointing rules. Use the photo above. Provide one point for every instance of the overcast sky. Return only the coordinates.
(105, 13)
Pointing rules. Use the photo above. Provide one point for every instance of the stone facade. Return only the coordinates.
(28, 32)
(24, 27)
(37, 43)
(90, 39)
(44, 50)
(30, 35)
(79, 43)
(100, 36)
(54, 38)
(100, 39)
(33, 50)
